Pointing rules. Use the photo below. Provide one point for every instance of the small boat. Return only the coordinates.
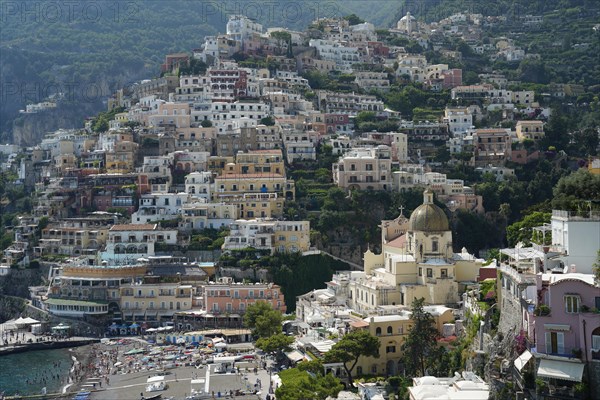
(156, 384)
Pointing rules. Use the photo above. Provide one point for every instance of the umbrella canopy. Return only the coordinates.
(134, 326)
(9, 326)
(135, 351)
(221, 345)
(28, 321)
(150, 330)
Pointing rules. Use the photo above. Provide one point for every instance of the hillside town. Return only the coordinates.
(161, 215)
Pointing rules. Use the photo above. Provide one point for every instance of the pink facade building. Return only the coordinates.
(234, 298)
(571, 322)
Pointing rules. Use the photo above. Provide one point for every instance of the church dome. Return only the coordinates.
(428, 217)
(407, 17)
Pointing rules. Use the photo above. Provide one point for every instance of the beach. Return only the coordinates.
(121, 368)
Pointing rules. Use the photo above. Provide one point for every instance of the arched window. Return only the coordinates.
(378, 331)
(434, 246)
(389, 330)
(596, 343)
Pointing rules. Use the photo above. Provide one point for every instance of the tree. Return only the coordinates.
(268, 121)
(596, 268)
(353, 19)
(420, 347)
(262, 319)
(351, 347)
(206, 123)
(301, 385)
(275, 344)
(577, 191)
(522, 231)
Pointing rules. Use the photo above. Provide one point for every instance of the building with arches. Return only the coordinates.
(126, 243)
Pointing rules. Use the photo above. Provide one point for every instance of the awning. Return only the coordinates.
(557, 327)
(564, 370)
(522, 360)
(294, 356)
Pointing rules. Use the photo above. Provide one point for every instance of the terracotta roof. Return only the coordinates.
(134, 227)
(359, 324)
(399, 242)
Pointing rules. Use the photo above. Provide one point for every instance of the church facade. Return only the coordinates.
(417, 260)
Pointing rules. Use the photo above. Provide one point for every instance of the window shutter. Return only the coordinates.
(596, 342)
(560, 338)
(548, 336)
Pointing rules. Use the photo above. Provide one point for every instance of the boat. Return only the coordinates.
(156, 384)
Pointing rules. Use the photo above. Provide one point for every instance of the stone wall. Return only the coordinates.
(594, 375)
(510, 314)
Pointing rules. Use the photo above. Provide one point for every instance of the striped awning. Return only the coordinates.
(563, 370)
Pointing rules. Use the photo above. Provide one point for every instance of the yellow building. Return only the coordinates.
(594, 166)
(154, 302)
(533, 130)
(259, 161)
(217, 164)
(122, 159)
(76, 235)
(392, 331)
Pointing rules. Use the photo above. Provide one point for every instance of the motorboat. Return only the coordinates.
(156, 384)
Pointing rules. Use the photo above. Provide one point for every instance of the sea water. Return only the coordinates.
(29, 372)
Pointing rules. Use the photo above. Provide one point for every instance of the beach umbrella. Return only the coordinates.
(134, 326)
(221, 345)
(9, 326)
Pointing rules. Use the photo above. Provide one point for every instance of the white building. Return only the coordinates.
(127, 243)
(159, 207)
(269, 234)
(344, 57)
(299, 145)
(466, 387)
(202, 214)
(459, 120)
(242, 28)
(199, 184)
(576, 239)
(364, 168)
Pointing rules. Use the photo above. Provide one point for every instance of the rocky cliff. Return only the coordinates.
(29, 129)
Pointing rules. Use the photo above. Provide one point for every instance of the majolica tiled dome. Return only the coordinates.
(428, 217)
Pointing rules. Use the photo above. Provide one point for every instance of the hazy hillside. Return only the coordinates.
(88, 49)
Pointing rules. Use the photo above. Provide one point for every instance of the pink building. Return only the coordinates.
(452, 78)
(234, 298)
(567, 329)
(573, 301)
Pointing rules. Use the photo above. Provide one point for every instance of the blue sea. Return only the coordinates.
(24, 373)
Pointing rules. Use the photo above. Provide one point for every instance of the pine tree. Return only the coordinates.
(420, 347)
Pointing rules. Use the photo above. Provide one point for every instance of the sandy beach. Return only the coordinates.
(121, 368)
